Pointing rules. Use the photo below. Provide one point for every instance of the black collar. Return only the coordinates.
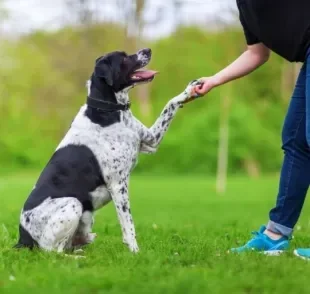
(106, 106)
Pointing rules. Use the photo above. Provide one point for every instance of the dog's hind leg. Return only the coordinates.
(64, 216)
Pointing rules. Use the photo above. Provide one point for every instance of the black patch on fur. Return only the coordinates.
(88, 205)
(104, 119)
(115, 69)
(101, 91)
(25, 240)
(111, 75)
(73, 171)
(124, 207)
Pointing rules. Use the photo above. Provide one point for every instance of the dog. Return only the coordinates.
(91, 165)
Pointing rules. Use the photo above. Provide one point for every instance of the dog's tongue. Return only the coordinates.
(144, 74)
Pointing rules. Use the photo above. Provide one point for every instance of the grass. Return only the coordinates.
(184, 230)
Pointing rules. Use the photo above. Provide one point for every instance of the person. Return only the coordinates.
(283, 27)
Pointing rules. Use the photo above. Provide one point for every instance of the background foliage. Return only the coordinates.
(42, 86)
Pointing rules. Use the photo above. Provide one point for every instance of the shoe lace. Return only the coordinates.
(256, 233)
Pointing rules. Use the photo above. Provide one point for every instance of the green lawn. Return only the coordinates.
(184, 230)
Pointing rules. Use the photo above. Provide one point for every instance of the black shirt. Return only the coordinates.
(281, 25)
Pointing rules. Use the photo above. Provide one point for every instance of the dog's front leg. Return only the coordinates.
(119, 193)
(84, 235)
(151, 138)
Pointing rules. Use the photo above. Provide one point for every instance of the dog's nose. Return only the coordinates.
(146, 51)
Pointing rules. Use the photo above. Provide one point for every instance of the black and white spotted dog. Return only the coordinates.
(92, 164)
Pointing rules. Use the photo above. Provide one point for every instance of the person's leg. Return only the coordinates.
(305, 252)
(295, 174)
(294, 180)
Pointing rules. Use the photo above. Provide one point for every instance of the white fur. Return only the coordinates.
(143, 58)
(61, 216)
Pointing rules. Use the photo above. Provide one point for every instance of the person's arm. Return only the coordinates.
(251, 59)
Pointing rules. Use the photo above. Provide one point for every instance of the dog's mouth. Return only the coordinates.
(143, 75)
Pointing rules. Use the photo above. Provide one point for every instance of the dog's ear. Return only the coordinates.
(104, 71)
(98, 59)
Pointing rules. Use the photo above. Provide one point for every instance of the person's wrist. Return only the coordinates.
(216, 81)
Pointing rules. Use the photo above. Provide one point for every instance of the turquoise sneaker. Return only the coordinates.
(303, 253)
(262, 243)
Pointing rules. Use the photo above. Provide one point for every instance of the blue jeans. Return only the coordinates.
(295, 173)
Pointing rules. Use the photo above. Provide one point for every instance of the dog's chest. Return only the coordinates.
(115, 147)
(100, 197)
(121, 150)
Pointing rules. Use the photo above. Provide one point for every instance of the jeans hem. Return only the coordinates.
(279, 229)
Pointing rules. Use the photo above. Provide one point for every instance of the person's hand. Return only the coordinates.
(207, 84)
(189, 94)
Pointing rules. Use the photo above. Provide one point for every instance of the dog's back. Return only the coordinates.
(73, 171)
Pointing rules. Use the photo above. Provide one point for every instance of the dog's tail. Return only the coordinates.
(25, 240)
(20, 246)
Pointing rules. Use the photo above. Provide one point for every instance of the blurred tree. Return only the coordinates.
(139, 24)
(81, 11)
(289, 74)
(132, 12)
(3, 14)
(177, 6)
(225, 108)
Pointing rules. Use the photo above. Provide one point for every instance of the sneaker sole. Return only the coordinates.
(302, 257)
(273, 252)
(268, 253)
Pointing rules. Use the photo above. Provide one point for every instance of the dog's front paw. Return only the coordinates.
(190, 89)
(90, 237)
(134, 248)
(147, 149)
(132, 245)
(188, 94)
(81, 240)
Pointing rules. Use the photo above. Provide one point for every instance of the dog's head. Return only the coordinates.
(121, 71)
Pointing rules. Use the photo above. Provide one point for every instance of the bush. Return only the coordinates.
(43, 87)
